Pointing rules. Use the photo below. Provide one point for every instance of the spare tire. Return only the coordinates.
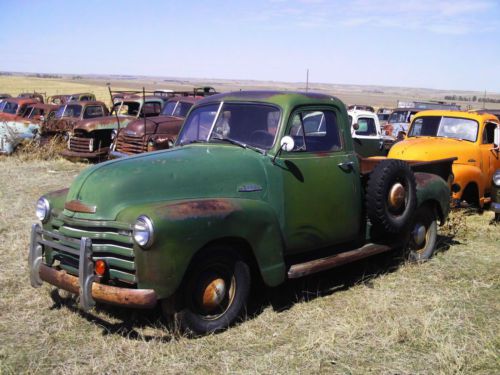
(391, 196)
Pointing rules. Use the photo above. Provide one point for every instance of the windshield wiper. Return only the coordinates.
(238, 143)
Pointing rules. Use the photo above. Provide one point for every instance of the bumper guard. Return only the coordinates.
(83, 285)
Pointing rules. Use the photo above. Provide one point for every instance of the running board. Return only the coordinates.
(322, 264)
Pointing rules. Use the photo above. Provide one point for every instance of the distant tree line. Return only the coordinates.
(5, 74)
(38, 75)
(471, 99)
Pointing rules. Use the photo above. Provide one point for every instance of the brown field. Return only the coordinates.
(378, 96)
(379, 316)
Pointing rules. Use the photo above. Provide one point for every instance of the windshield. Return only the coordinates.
(176, 108)
(399, 116)
(126, 108)
(70, 110)
(247, 123)
(9, 107)
(447, 127)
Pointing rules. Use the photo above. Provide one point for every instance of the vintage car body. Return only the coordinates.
(495, 195)
(65, 98)
(468, 136)
(12, 108)
(239, 191)
(154, 133)
(70, 114)
(13, 132)
(367, 134)
(32, 95)
(92, 138)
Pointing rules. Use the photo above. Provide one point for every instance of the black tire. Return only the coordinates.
(387, 176)
(421, 246)
(201, 311)
(497, 217)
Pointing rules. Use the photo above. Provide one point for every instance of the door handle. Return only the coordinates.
(346, 166)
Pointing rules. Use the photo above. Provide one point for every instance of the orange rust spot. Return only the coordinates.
(201, 208)
(77, 206)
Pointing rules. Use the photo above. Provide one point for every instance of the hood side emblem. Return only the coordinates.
(249, 188)
(77, 206)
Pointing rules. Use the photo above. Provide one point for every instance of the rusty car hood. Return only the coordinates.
(103, 123)
(154, 125)
(188, 172)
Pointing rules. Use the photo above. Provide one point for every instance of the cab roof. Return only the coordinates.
(280, 98)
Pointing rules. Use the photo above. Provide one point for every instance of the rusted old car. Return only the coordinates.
(27, 126)
(65, 98)
(153, 133)
(243, 196)
(68, 115)
(468, 136)
(11, 108)
(92, 138)
(32, 95)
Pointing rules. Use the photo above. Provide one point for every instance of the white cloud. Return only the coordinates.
(436, 16)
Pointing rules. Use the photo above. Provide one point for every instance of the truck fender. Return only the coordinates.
(466, 174)
(183, 228)
(433, 189)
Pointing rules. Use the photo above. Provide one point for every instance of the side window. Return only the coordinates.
(93, 111)
(315, 131)
(366, 126)
(489, 133)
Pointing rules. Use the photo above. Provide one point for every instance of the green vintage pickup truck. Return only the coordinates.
(249, 192)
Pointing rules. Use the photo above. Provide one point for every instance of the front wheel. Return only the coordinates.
(423, 235)
(215, 293)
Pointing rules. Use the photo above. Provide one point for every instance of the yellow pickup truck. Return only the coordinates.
(468, 136)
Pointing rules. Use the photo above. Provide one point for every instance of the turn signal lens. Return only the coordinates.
(100, 267)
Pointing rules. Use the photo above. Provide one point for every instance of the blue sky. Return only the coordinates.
(414, 43)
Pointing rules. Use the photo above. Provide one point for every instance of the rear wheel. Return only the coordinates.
(423, 235)
(215, 293)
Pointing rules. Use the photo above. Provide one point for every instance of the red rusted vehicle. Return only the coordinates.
(32, 95)
(11, 108)
(154, 133)
(66, 98)
(92, 138)
(70, 114)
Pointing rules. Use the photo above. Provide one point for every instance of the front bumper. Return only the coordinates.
(84, 285)
(85, 155)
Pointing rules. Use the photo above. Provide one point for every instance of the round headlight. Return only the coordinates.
(496, 179)
(42, 210)
(143, 231)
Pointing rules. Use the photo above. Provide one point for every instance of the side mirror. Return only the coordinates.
(496, 139)
(287, 143)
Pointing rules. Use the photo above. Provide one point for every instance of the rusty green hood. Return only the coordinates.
(193, 171)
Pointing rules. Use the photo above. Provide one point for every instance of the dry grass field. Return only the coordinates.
(379, 316)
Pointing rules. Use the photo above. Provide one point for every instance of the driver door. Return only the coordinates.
(322, 192)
